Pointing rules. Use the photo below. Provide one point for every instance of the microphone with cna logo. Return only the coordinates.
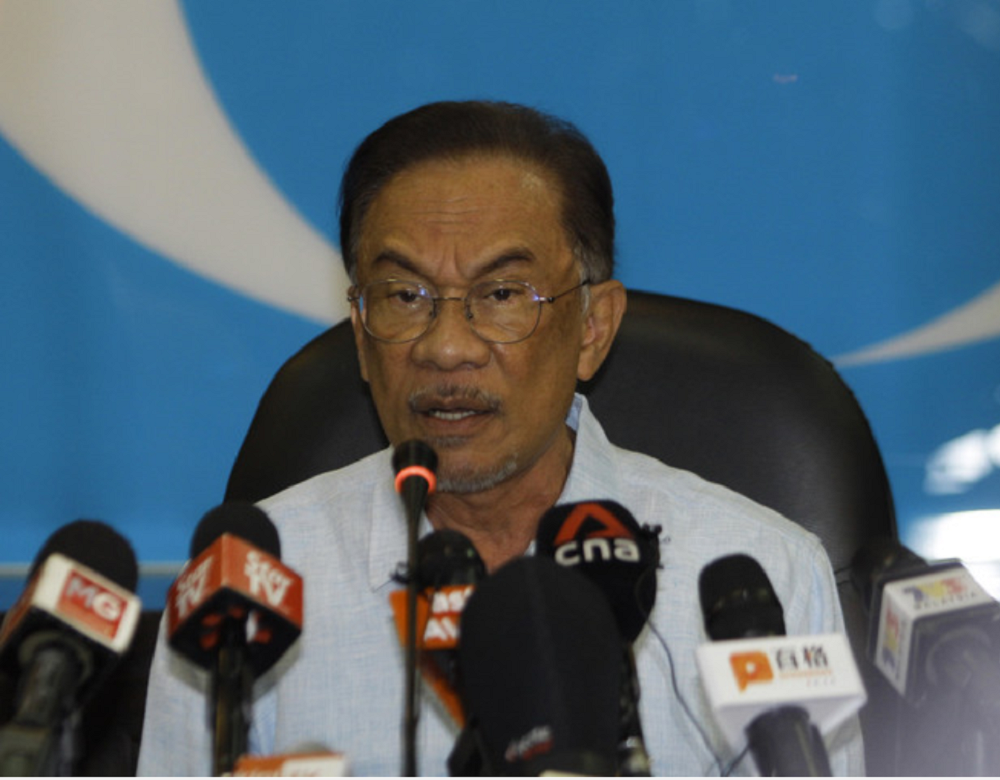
(604, 542)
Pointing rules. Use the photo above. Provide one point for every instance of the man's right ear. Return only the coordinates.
(608, 301)
(359, 340)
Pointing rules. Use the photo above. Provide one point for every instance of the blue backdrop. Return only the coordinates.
(168, 176)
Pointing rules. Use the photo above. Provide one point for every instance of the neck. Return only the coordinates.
(502, 522)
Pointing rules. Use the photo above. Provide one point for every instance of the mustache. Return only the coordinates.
(428, 397)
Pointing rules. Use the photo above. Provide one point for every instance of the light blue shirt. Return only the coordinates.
(342, 684)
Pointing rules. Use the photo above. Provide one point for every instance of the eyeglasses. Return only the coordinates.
(501, 312)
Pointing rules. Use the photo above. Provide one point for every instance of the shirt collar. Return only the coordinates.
(387, 543)
(594, 474)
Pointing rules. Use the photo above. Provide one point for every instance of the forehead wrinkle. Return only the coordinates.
(518, 256)
(454, 204)
(531, 179)
(457, 207)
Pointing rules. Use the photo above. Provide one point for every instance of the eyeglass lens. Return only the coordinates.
(499, 311)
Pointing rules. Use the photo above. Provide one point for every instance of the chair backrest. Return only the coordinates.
(703, 387)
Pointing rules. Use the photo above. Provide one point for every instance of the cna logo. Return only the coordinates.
(607, 540)
(751, 668)
(611, 526)
(89, 602)
(265, 577)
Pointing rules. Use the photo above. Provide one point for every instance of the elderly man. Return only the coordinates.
(479, 239)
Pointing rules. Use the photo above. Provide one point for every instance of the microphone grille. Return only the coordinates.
(541, 660)
(448, 557)
(97, 546)
(240, 518)
(414, 453)
(738, 600)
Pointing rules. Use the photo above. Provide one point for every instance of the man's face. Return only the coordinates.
(490, 411)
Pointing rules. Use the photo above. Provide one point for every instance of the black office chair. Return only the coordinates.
(717, 391)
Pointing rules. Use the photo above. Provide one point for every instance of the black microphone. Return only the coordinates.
(604, 542)
(448, 569)
(74, 621)
(739, 602)
(933, 628)
(414, 463)
(539, 663)
(234, 610)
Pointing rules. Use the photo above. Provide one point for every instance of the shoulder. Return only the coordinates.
(703, 521)
(328, 486)
(690, 504)
(346, 484)
(333, 504)
(700, 519)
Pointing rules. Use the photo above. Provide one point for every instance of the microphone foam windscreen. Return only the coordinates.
(414, 453)
(97, 546)
(541, 661)
(448, 557)
(240, 518)
(602, 540)
(738, 600)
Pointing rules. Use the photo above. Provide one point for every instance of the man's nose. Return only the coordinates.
(450, 342)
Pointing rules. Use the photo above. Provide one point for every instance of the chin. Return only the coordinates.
(469, 479)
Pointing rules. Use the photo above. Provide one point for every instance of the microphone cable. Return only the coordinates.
(723, 769)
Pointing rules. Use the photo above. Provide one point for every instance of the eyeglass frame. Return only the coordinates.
(356, 295)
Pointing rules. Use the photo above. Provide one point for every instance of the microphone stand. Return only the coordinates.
(410, 714)
(232, 683)
(414, 463)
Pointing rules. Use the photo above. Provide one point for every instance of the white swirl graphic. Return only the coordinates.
(976, 321)
(108, 99)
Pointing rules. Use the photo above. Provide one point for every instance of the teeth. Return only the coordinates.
(441, 414)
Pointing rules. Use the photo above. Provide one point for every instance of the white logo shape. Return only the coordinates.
(110, 102)
(266, 578)
(191, 588)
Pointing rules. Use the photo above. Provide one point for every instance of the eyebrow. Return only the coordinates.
(513, 256)
(392, 257)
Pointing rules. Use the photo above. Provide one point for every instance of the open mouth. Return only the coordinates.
(452, 415)
(453, 404)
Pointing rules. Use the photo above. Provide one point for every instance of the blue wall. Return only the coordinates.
(168, 176)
